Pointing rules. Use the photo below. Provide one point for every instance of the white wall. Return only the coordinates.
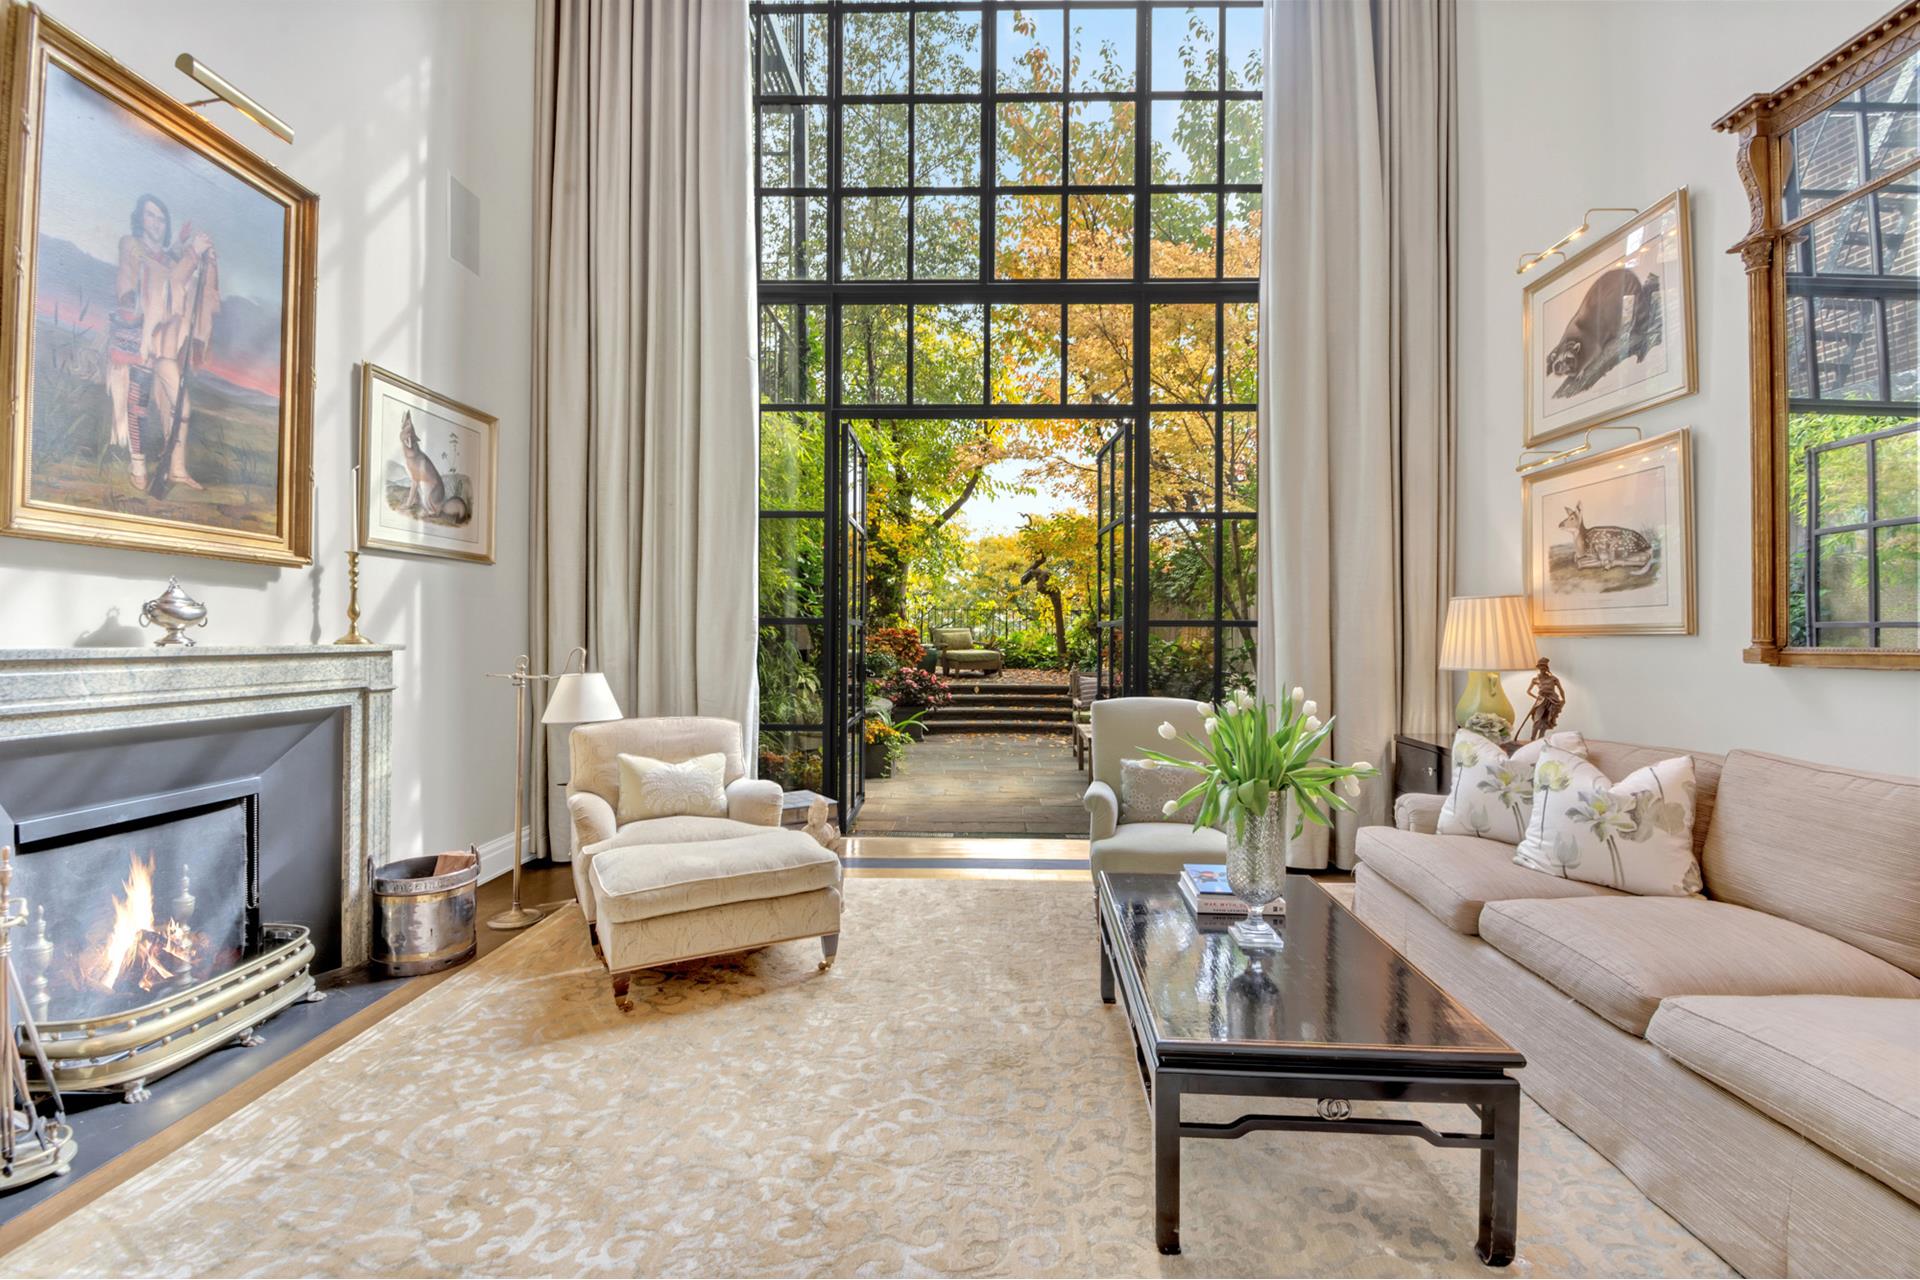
(1612, 102)
(387, 98)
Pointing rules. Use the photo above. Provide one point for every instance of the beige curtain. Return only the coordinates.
(644, 375)
(1356, 432)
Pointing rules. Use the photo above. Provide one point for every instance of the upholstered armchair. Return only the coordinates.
(1125, 729)
(593, 793)
(667, 890)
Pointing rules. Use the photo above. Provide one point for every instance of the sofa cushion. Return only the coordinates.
(640, 882)
(1620, 956)
(1833, 849)
(1157, 846)
(1492, 791)
(1618, 759)
(1455, 877)
(1634, 834)
(1841, 1071)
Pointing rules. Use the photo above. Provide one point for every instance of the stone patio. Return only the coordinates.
(979, 784)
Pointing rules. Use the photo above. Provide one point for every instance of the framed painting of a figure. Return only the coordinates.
(160, 345)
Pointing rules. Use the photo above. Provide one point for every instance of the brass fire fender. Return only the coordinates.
(126, 1050)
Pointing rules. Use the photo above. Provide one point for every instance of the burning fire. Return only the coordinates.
(138, 953)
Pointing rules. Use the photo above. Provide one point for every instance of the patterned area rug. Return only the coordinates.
(952, 1098)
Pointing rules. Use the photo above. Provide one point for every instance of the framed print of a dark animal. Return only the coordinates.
(1610, 330)
(160, 345)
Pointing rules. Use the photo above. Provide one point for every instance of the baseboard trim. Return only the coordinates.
(496, 855)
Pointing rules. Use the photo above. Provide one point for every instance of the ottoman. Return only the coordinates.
(659, 903)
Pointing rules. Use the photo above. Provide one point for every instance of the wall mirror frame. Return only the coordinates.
(1832, 177)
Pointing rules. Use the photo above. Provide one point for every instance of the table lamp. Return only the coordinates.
(579, 697)
(1484, 636)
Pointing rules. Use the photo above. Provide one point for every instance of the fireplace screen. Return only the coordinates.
(138, 911)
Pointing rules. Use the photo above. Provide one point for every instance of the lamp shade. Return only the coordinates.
(581, 698)
(1487, 633)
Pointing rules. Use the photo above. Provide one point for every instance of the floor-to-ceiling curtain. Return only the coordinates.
(644, 384)
(1356, 424)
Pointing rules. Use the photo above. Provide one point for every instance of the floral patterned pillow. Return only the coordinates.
(1635, 834)
(1492, 792)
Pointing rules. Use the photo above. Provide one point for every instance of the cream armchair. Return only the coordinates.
(669, 890)
(593, 793)
(1125, 729)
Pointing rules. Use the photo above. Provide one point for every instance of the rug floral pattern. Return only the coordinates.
(951, 1099)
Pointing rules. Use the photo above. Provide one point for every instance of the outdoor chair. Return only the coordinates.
(959, 651)
(1084, 688)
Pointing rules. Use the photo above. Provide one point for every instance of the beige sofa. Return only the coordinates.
(1750, 1059)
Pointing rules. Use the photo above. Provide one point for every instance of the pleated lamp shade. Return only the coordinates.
(1487, 633)
(581, 698)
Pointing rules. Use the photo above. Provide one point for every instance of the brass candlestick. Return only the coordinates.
(353, 635)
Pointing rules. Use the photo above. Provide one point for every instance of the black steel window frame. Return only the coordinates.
(1805, 281)
(831, 293)
(1870, 528)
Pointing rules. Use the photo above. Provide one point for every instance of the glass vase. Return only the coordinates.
(1257, 869)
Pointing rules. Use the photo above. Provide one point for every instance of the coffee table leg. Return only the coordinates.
(1500, 1174)
(1166, 1162)
(1106, 961)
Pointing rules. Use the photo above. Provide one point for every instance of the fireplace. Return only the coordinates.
(144, 946)
(220, 807)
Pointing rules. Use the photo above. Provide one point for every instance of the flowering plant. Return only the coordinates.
(892, 742)
(912, 687)
(1251, 751)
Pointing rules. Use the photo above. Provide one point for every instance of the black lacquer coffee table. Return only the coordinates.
(1336, 1015)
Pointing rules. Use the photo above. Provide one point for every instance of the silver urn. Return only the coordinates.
(175, 610)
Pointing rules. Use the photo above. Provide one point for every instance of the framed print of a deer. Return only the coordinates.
(1609, 542)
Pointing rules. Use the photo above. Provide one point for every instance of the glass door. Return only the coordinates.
(1113, 481)
(850, 616)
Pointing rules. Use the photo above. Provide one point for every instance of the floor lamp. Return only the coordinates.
(579, 697)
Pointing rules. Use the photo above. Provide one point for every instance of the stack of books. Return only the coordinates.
(1204, 886)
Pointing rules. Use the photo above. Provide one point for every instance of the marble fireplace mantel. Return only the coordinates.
(58, 692)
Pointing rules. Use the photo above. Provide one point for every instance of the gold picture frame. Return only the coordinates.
(1603, 333)
(1609, 542)
(429, 486)
(165, 404)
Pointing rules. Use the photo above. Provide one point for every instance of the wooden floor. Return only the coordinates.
(980, 784)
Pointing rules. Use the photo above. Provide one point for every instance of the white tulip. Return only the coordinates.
(1204, 708)
(1310, 708)
(1351, 786)
(1313, 724)
(1167, 730)
(1362, 766)
(1213, 722)
(1245, 699)
(1169, 808)
(1299, 696)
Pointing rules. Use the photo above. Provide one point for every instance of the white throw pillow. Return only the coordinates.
(1635, 834)
(1492, 793)
(1147, 785)
(695, 788)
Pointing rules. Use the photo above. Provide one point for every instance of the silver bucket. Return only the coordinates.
(423, 913)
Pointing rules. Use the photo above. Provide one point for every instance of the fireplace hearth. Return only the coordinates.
(144, 947)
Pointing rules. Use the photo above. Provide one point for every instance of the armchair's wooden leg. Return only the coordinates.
(620, 983)
(829, 947)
